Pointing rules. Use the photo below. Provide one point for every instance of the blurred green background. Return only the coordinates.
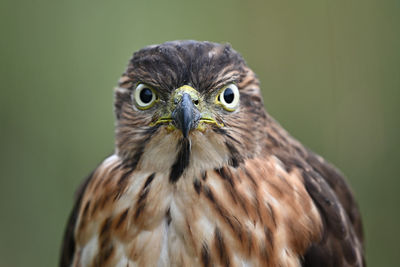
(330, 73)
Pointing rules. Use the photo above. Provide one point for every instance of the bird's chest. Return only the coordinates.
(216, 217)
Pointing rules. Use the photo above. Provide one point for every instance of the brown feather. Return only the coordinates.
(244, 193)
(68, 245)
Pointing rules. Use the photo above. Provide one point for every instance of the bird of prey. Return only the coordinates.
(202, 175)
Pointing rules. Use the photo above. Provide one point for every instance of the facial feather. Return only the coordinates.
(206, 67)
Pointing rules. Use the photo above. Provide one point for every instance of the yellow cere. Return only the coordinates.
(195, 95)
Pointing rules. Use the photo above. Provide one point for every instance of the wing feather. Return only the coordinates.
(342, 241)
(68, 245)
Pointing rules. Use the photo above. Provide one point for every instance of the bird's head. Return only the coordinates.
(188, 102)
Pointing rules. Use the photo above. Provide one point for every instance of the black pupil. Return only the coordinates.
(229, 95)
(146, 95)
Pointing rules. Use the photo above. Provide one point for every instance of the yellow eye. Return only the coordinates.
(229, 97)
(145, 96)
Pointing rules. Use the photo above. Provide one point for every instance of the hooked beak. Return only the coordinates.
(187, 111)
(186, 116)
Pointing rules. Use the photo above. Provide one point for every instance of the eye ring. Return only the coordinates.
(229, 97)
(145, 96)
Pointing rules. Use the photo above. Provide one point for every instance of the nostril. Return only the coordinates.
(196, 102)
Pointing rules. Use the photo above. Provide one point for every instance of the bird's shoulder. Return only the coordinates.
(341, 242)
(68, 243)
(84, 200)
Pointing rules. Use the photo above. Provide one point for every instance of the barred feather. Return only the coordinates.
(245, 194)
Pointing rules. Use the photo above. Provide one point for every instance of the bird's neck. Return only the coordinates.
(167, 151)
